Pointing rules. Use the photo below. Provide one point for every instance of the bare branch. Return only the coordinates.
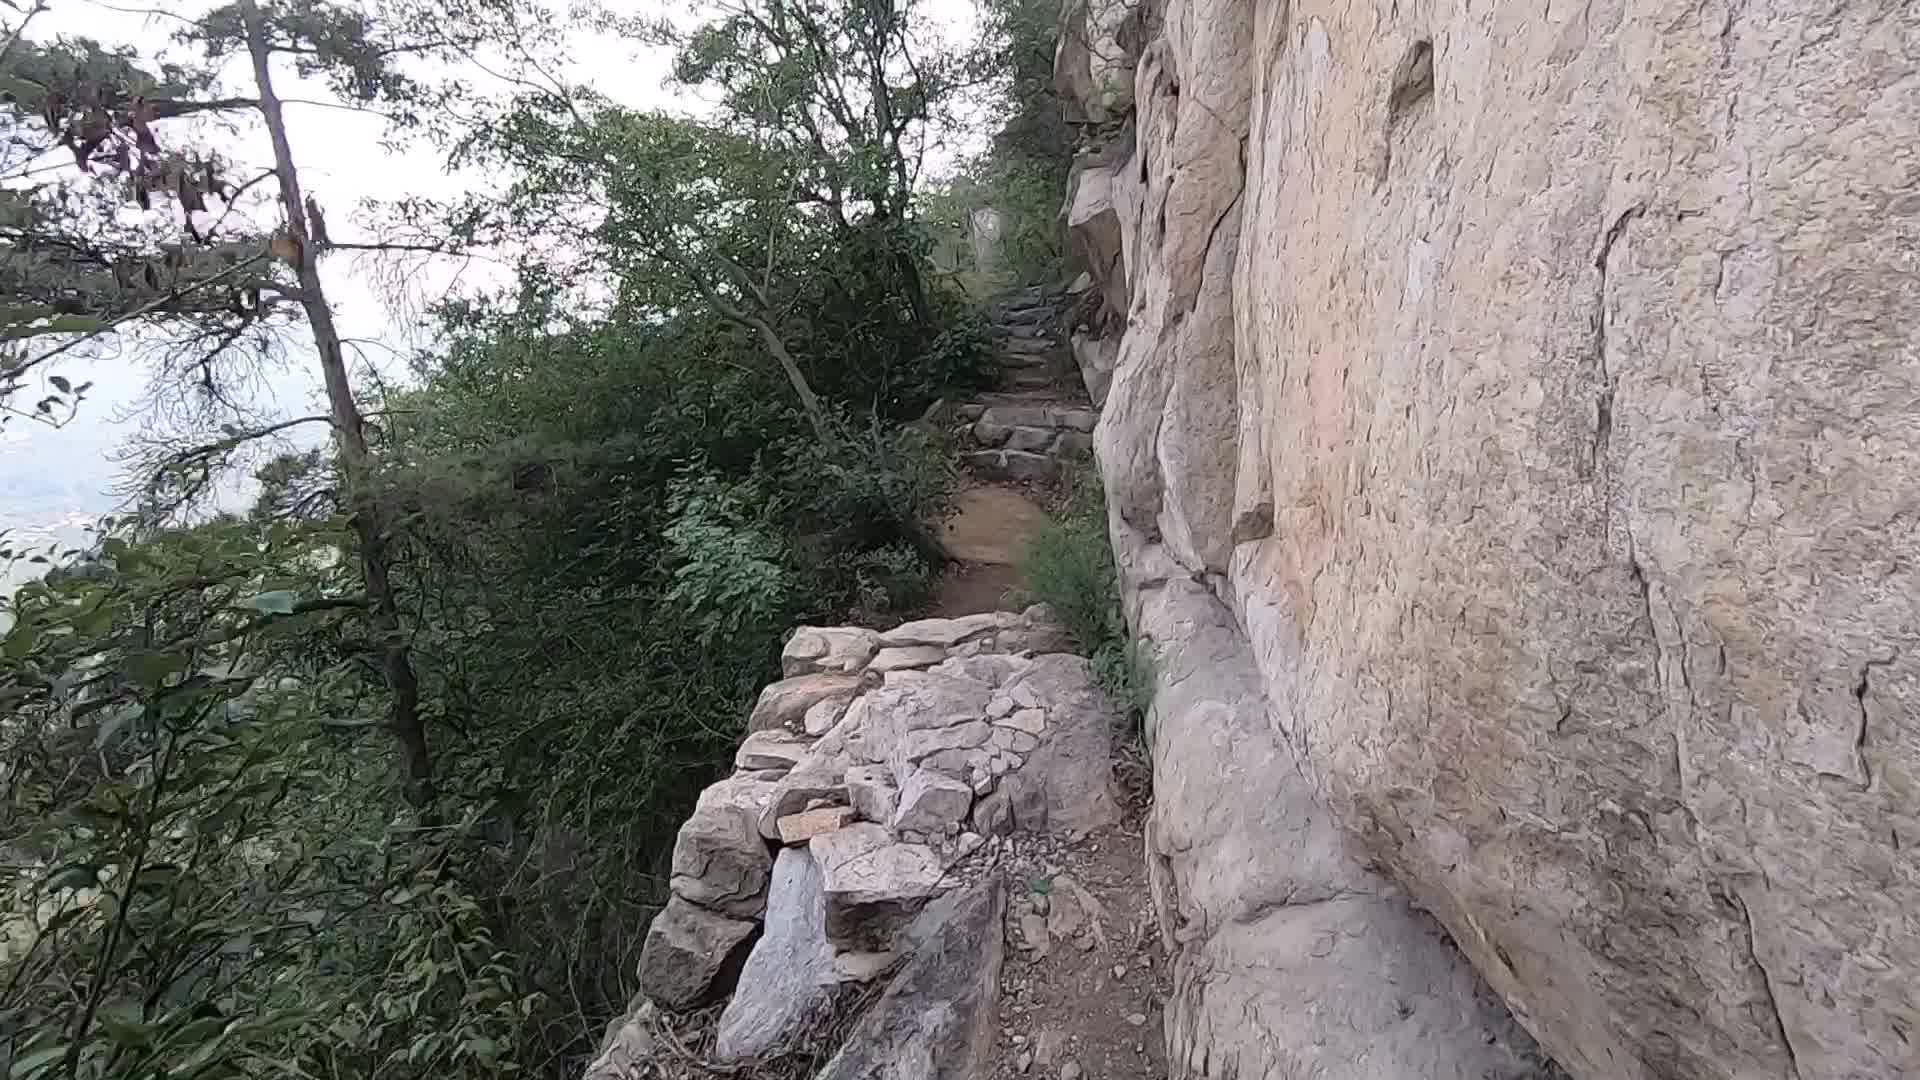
(144, 309)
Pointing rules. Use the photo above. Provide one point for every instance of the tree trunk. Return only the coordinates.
(809, 403)
(350, 437)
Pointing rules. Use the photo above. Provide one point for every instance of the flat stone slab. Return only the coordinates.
(774, 748)
(908, 657)
(804, 826)
(785, 703)
(1012, 465)
(945, 633)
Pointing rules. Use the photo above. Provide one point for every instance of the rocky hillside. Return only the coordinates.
(1513, 458)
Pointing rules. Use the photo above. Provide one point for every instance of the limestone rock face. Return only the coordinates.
(1529, 393)
(1093, 62)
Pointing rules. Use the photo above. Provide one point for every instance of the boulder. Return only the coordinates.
(930, 801)
(1096, 358)
(873, 883)
(691, 954)
(833, 650)
(988, 432)
(936, 1019)
(1066, 780)
(784, 704)
(822, 715)
(719, 859)
(789, 983)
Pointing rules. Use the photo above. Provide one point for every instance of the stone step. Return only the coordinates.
(1029, 380)
(1021, 359)
(1025, 317)
(1036, 440)
(1032, 347)
(1014, 465)
(1029, 329)
(1047, 416)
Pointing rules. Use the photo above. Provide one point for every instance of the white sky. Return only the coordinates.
(55, 482)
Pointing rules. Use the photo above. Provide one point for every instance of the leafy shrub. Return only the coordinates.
(730, 578)
(1068, 565)
(891, 580)
(878, 487)
(1124, 670)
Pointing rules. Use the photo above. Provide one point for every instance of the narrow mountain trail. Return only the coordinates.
(931, 846)
(1085, 977)
(1014, 441)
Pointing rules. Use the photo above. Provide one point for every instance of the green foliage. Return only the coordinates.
(1068, 565)
(730, 578)
(603, 504)
(1124, 670)
(1023, 177)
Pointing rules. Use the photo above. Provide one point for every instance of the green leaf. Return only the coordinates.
(153, 668)
(277, 602)
(73, 876)
(31, 1064)
(20, 640)
(58, 922)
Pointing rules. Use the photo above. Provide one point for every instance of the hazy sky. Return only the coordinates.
(54, 482)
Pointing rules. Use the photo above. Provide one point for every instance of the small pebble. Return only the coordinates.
(1119, 971)
(1137, 1019)
(1023, 1062)
(1070, 1071)
(1139, 1048)
(1019, 1040)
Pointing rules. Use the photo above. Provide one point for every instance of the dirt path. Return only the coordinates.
(1012, 439)
(1085, 980)
(985, 535)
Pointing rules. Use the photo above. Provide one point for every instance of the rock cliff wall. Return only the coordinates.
(1513, 451)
